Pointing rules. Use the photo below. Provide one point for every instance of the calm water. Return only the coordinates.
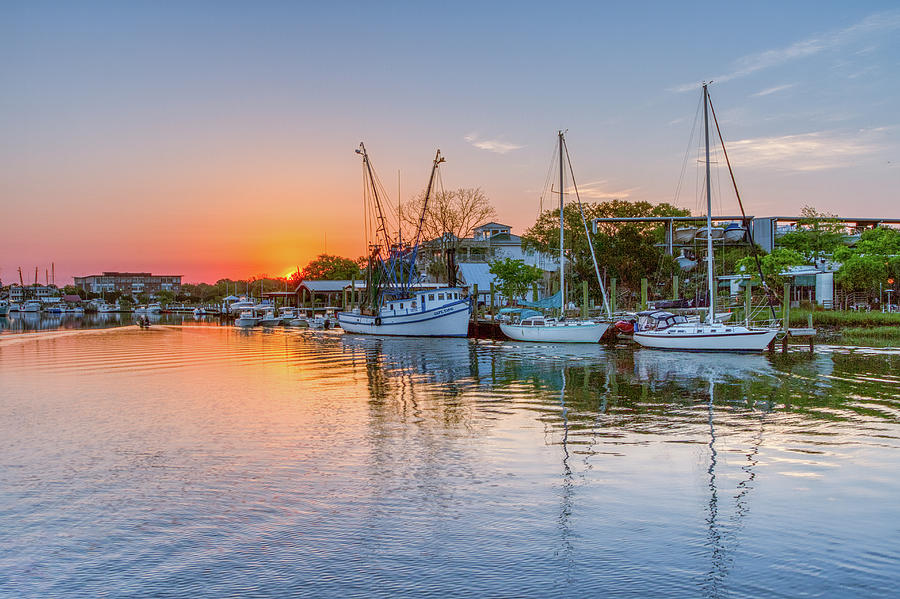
(200, 461)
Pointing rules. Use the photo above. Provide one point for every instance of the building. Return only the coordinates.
(129, 282)
(43, 293)
(489, 242)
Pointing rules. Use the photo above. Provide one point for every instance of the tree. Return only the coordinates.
(450, 217)
(772, 265)
(165, 296)
(817, 234)
(871, 263)
(515, 276)
(627, 251)
(327, 267)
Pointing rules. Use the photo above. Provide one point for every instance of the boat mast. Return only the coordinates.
(709, 244)
(562, 280)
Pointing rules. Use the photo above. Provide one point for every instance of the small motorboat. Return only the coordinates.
(247, 318)
(270, 318)
(684, 234)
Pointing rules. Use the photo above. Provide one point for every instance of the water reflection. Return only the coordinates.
(315, 463)
(25, 322)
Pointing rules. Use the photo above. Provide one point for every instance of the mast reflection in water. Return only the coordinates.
(204, 461)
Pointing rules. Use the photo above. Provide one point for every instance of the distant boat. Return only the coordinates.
(394, 306)
(155, 308)
(270, 318)
(669, 331)
(31, 306)
(734, 232)
(685, 234)
(247, 318)
(718, 233)
(4, 307)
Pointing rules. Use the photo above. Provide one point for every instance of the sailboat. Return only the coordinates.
(541, 329)
(393, 304)
(709, 335)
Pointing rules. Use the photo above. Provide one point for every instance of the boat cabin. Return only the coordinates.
(421, 301)
(657, 320)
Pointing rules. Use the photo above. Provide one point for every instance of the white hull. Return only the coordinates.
(684, 235)
(561, 332)
(247, 321)
(706, 338)
(736, 234)
(448, 320)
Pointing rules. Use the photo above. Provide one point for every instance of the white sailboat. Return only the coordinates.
(711, 335)
(547, 330)
(394, 307)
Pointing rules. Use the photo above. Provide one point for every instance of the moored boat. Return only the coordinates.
(394, 305)
(663, 330)
(247, 318)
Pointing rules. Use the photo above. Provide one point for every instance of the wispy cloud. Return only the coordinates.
(882, 21)
(806, 152)
(599, 190)
(491, 145)
(773, 90)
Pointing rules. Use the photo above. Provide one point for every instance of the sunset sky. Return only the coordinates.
(216, 139)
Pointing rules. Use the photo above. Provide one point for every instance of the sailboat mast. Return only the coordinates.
(709, 244)
(562, 279)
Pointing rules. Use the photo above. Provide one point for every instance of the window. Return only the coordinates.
(440, 296)
(401, 305)
(431, 297)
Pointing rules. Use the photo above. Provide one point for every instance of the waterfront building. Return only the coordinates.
(43, 293)
(129, 282)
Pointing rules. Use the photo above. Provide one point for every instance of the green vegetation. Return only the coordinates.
(627, 251)
(332, 268)
(818, 234)
(772, 265)
(843, 318)
(884, 336)
(515, 276)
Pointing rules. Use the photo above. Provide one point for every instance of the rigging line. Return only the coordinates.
(586, 232)
(687, 152)
(547, 179)
(737, 193)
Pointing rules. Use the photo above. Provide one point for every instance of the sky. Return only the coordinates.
(216, 139)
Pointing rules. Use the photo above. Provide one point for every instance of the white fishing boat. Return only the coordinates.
(154, 308)
(674, 332)
(544, 330)
(14, 307)
(433, 313)
(395, 307)
(247, 318)
(301, 322)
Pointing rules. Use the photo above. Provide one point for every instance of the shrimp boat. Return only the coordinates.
(393, 305)
(562, 330)
(670, 332)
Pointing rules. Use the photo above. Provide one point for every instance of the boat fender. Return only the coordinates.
(377, 321)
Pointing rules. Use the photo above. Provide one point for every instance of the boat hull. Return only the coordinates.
(737, 339)
(449, 320)
(556, 333)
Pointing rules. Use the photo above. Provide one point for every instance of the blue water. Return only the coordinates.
(187, 461)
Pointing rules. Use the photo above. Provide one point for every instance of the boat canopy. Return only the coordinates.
(544, 304)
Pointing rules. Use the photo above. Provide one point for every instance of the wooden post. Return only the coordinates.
(352, 292)
(786, 307)
(748, 294)
(492, 299)
(534, 291)
(809, 323)
(584, 299)
(344, 299)
(612, 295)
(643, 294)
(304, 297)
(475, 304)
(675, 287)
